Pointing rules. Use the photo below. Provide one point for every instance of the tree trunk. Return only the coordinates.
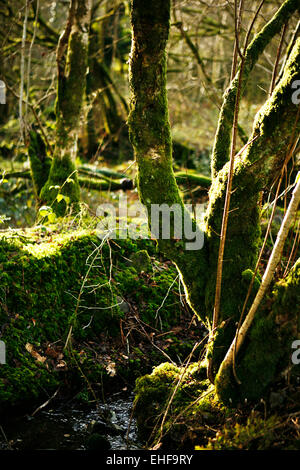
(72, 54)
(255, 169)
(150, 136)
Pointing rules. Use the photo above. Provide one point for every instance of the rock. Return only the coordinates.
(97, 442)
(115, 430)
(123, 306)
(99, 427)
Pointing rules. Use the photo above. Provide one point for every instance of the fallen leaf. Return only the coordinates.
(34, 353)
(111, 369)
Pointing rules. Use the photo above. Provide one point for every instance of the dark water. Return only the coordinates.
(69, 427)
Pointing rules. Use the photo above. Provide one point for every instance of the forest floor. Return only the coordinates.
(44, 267)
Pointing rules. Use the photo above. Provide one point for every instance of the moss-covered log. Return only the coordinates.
(101, 179)
(72, 62)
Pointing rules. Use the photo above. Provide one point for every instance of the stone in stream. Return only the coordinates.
(104, 428)
(97, 442)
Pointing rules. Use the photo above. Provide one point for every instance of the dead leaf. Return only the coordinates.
(50, 352)
(61, 365)
(34, 353)
(111, 369)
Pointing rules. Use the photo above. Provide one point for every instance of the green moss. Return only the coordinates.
(41, 279)
(141, 261)
(256, 434)
(286, 299)
(192, 178)
(153, 392)
(38, 309)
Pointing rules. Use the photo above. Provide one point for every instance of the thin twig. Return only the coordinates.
(29, 56)
(46, 403)
(226, 211)
(274, 75)
(22, 71)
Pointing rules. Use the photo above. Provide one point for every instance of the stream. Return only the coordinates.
(68, 427)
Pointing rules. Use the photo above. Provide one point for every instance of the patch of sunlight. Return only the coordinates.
(41, 246)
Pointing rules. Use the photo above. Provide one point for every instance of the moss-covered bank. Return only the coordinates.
(51, 281)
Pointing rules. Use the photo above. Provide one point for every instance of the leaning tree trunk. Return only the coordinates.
(72, 56)
(254, 171)
(274, 128)
(221, 147)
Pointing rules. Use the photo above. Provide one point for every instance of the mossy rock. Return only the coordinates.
(153, 392)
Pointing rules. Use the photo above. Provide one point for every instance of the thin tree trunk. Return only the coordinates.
(72, 62)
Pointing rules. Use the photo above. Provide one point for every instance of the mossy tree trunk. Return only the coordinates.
(254, 170)
(72, 62)
(150, 134)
